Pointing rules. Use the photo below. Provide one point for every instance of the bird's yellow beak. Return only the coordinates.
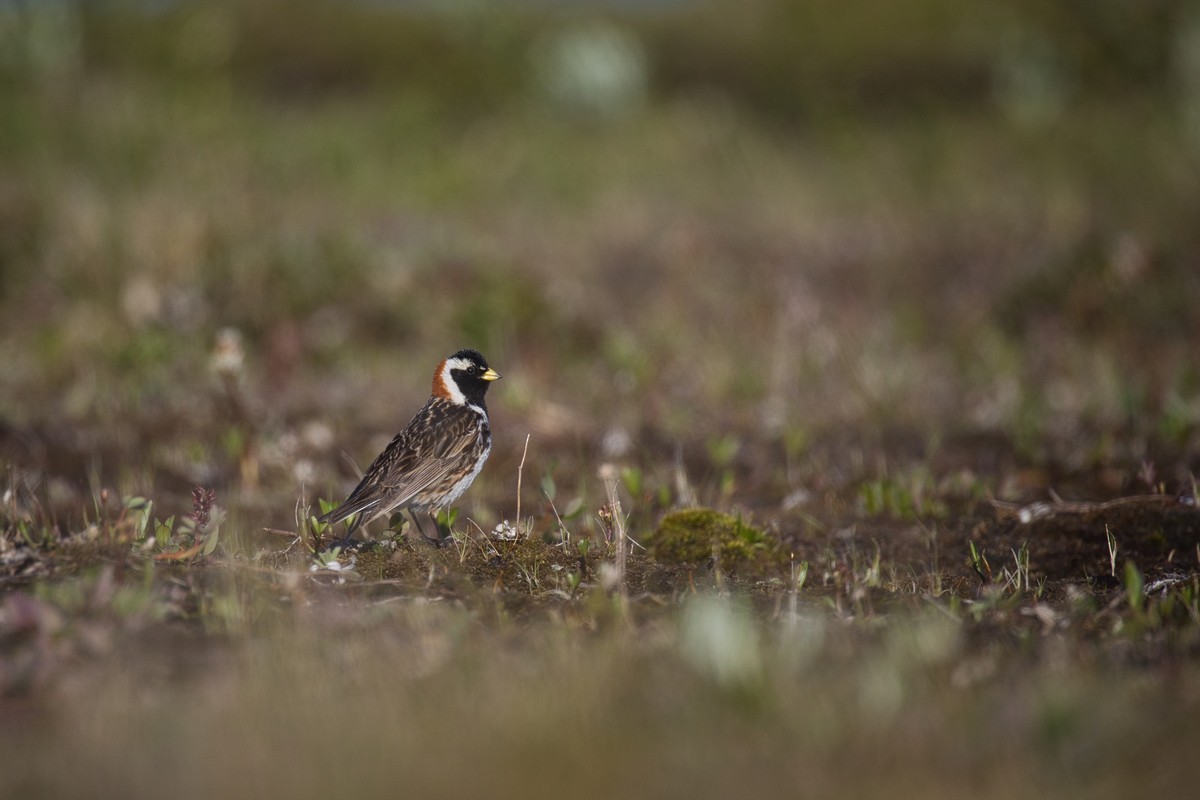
(490, 375)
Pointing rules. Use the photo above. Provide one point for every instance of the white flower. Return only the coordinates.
(328, 560)
(506, 531)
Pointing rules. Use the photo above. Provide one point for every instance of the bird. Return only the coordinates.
(437, 456)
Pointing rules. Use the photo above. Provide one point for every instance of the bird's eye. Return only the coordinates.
(473, 370)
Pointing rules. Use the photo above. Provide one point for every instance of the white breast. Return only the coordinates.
(457, 489)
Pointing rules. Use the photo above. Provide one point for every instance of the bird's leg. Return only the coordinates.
(347, 542)
(428, 539)
(441, 534)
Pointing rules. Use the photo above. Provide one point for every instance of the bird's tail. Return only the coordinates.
(347, 510)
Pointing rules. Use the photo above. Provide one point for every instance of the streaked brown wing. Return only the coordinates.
(432, 454)
(431, 446)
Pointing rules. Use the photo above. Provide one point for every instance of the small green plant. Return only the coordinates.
(317, 529)
(145, 510)
(908, 497)
(873, 575)
(1172, 601)
(632, 480)
(328, 559)
(1135, 588)
(799, 573)
(979, 563)
(1112, 551)
(445, 521)
(1018, 579)
(573, 581)
(573, 510)
(1188, 597)
(195, 535)
(722, 451)
(530, 571)
(326, 506)
(164, 530)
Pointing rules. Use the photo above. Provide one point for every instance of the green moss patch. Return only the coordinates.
(696, 535)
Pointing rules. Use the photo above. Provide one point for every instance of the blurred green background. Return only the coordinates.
(666, 223)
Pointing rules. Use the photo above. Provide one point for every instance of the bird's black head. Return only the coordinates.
(464, 378)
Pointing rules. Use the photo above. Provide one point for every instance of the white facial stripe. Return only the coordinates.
(456, 395)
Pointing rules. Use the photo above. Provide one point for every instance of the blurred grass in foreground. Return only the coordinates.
(405, 695)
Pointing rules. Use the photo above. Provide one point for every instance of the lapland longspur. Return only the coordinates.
(438, 454)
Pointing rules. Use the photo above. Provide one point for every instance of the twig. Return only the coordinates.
(520, 469)
(563, 535)
(1039, 510)
(610, 476)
